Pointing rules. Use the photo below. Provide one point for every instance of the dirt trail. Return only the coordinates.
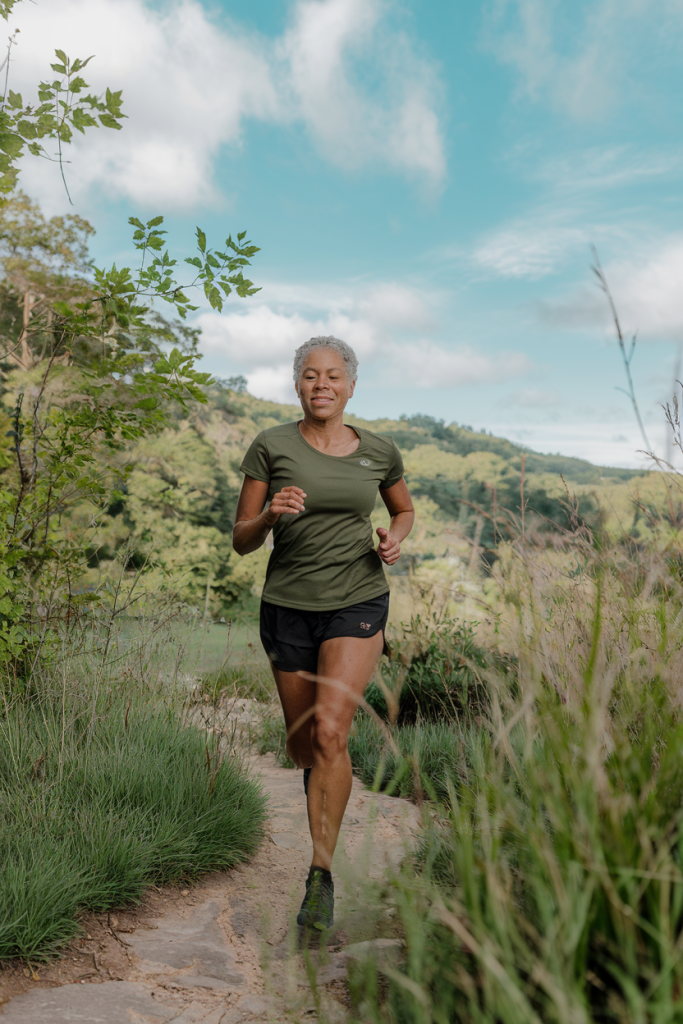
(223, 952)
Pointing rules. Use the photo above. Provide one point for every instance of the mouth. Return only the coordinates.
(320, 400)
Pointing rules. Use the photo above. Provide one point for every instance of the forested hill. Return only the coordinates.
(411, 431)
(177, 506)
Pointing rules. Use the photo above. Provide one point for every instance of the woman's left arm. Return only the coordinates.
(400, 508)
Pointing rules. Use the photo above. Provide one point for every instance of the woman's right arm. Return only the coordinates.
(253, 522)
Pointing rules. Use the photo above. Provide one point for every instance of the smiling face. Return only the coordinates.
(324, 387)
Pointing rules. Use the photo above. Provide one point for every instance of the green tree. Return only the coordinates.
(90, 364)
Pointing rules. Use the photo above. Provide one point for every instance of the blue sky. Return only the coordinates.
(425, 180)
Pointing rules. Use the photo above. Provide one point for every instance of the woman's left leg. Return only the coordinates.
(348, 663)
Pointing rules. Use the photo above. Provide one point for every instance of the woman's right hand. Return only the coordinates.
(288, 501)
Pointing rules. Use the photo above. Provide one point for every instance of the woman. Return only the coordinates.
(325, 600)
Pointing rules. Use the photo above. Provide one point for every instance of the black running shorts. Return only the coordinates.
(292, 637)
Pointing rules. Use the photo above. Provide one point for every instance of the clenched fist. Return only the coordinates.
(288, 501)
(388, 549)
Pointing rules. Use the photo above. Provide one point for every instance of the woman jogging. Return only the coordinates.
(325, 600)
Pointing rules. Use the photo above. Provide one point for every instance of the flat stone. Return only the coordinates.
(192, 941)
(112, 1002)
(199, 981)
(254, 1004)
(290, 840)
(197, 1013)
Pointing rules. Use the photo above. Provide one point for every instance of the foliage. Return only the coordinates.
(91, 375)
(441, 678)
(93, 815)
(271, 738)
(423, 763)
(63, 107)
(550, 888)
(231, 681)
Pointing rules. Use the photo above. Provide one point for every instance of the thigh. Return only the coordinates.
(297, 697)
(345, 667)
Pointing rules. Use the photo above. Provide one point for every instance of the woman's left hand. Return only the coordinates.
(389, 549)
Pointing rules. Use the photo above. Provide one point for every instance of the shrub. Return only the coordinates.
(444, 676)
(95, 808)
(427, 762)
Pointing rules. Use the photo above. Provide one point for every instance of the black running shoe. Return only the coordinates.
(317, 909)
(307, 772)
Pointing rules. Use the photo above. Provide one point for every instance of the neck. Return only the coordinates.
(329, 435)
(326, 428)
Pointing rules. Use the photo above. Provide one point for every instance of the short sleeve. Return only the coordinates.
(256, 463)
(394, 467)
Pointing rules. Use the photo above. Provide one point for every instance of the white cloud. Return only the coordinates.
(350, 124)
(647, 296)
(190, 84)
(187, 89)
(397, 306)
(530, 248)
(380, 322)
(582, 59)
(273, 383)
(428, 365)
(598, 442)
(261, 336)
(600, 168)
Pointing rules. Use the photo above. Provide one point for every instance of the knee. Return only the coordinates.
(329, 737)
(300, 753)
(298, 747)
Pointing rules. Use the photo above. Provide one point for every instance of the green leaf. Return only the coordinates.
(62, 56)
(155, 222)
(147, 403)
(201, 240)
(15, 101)
(194, 260)
(81, 120)
(60, 69)
(108, 121)
(11, 144)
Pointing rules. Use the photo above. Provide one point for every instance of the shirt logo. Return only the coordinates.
(365, 462)
(366, 625)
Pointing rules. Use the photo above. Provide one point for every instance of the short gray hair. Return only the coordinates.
(344, 350)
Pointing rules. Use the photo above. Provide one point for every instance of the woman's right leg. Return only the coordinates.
(297, 697)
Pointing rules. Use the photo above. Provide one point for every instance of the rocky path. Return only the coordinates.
(224, 952)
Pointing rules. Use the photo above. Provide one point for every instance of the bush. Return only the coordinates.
(95, 808)
(444, 677)
(428, 761)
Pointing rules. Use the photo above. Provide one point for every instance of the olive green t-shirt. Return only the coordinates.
(324, 558)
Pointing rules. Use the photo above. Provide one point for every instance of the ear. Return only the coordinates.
(352, 389)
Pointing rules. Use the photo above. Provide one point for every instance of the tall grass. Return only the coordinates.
(103, 791)
(427, 758)
(550, 887)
